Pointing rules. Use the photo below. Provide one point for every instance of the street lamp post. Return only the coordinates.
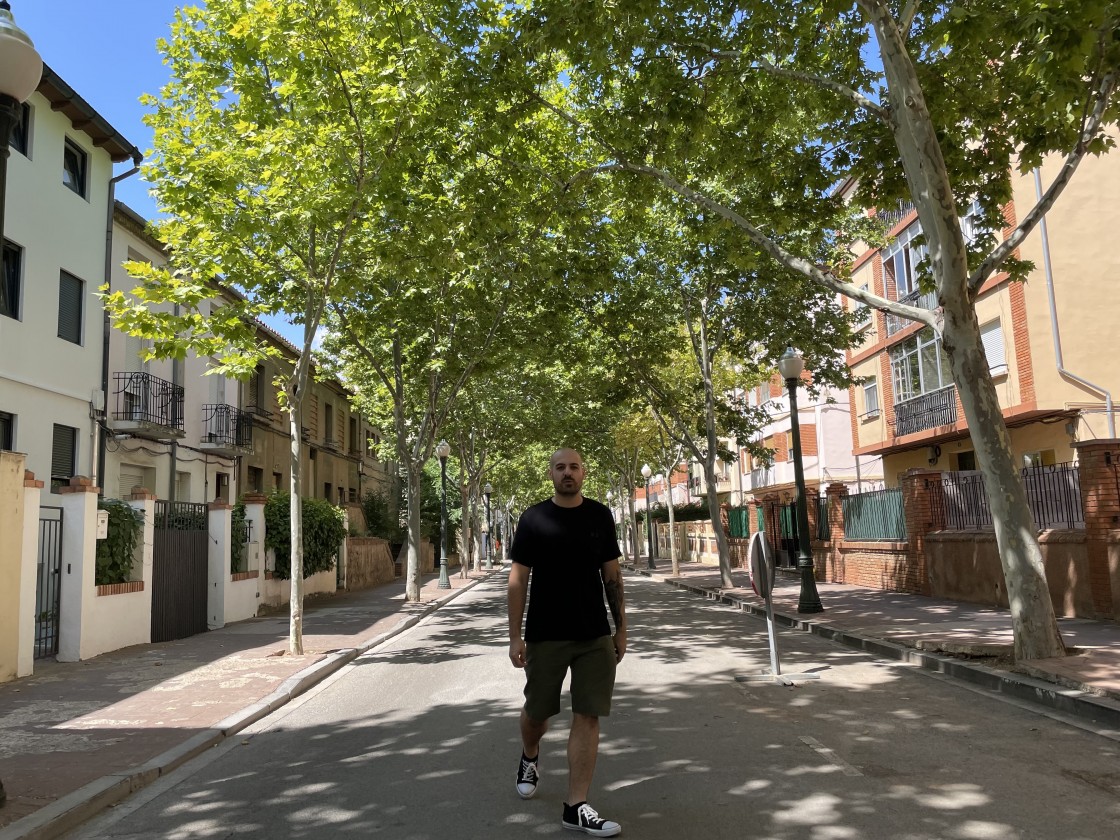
(21, 68)
(790, 366)
(646, 473)
(443, 449)
(486, 491)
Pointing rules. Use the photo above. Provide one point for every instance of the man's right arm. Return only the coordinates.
(518, 594)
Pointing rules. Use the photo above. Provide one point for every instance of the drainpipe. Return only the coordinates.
(1055, 334)
(99, 479)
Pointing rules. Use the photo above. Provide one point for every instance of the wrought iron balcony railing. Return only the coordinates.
(227, 427)
(891, 216)
(928, 411)
(896, 323)
(146, 401)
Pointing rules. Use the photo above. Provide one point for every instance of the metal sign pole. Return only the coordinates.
(761, 564)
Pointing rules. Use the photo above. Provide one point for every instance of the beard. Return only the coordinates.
(567, 488)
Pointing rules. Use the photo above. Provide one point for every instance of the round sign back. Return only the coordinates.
(761, 560)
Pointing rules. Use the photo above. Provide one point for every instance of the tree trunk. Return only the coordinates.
(413, 577)
(1032, 611)
(635, 546)
(722, 545)
(295, 431)
(673, 556)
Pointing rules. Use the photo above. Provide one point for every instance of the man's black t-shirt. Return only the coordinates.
(566, 549)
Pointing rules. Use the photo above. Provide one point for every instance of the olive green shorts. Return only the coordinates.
(592, 663)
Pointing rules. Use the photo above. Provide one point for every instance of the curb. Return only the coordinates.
(1102, 714)
(73, 809)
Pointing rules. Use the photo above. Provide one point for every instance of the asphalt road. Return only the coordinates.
(418, 741)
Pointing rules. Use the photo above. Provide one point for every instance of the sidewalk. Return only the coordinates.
(76, 737)
(961, 640)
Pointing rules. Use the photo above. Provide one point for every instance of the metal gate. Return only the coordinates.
(48, 590)
(179, 570)
(787, 528)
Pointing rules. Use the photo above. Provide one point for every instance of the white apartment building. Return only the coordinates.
(52, 328)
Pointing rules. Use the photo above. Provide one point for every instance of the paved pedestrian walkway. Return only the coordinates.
(964, 640)
(76, 737)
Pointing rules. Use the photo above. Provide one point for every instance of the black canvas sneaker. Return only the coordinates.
(527, 777)
(582, 817)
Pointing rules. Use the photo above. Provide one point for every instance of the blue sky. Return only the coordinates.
(107, 52)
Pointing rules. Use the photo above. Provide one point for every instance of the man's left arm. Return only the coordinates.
(612, 583)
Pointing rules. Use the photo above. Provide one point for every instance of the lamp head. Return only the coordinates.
(21, 66)
(791, 364)
(646, 472)
(443, 449)
(487, 488)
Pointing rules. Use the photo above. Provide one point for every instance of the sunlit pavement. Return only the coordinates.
(418, 739)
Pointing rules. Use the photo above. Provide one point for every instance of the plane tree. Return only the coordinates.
(755, 111)
(280, 139)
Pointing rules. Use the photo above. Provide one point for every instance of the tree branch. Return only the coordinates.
(906, 19)
(794, 263)
(1089, 131)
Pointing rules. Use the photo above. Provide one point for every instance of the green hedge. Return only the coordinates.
(116, 553)
(323, 533)
(691, 512)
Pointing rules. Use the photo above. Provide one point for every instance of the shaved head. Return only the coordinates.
(565, 468)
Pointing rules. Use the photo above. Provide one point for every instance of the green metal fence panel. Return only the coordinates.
(878, 515)
(823, 531)
(761, 519)
(787, 521)
(737, 522)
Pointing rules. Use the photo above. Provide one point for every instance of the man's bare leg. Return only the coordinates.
(583, 749)
(531, 733)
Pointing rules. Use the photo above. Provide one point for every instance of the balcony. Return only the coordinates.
(891, 216)
(928, 411)
(922, 300)
(226, 430)
(147, 406)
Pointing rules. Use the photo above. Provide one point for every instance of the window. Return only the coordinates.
(1045, 458)
(966, 461)
(10, 282)
(353, 435)
(71, 290)
(328, 431)
(7, 430)
(64, 455)
(256, 390)
(862, 311)
(900, 261)
(256, 479)
(992, 338)
(221, 483)
(918, 366)
(327, 487)
(871, 397)
(74, 166)
(277, 480)
(21, 131)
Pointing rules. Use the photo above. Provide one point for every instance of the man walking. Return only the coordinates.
(566, 547)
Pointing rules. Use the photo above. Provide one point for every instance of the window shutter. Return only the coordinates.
(70, 308)
(992, 337)
(63, 453)
(130, 477)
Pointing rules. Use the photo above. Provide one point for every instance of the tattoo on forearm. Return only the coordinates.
(615, 601)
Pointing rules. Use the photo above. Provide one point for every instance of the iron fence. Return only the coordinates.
(1053, 493)
(225, 425)
(932, 409)
(823, 531)
(922, 300)
(48, 592)
(738, 522)
(143, 398)
(878, 515)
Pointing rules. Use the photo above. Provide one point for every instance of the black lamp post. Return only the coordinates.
(443, 449)
(21, 68)
(790, 366)
(646, 473)
(486, 491)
